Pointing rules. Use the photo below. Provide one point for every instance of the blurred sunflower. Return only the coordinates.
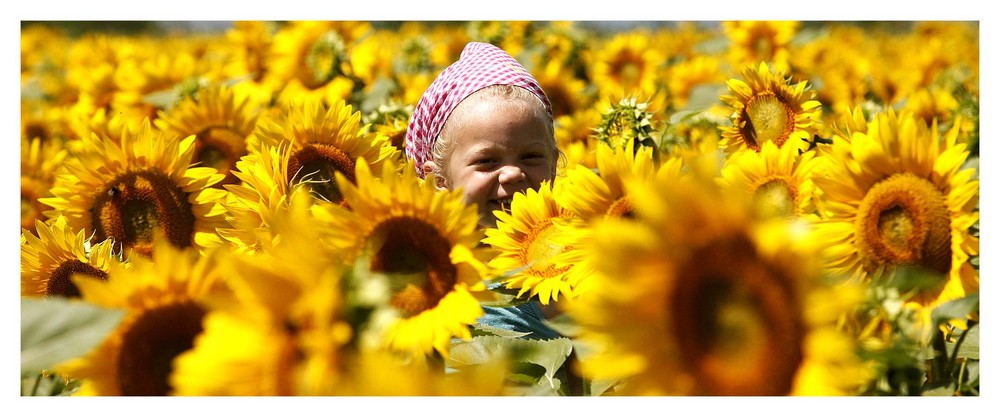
(757, 41)
(532, 247)
(277, 325)
(935, 103)
(311, 59)
(425, 241)
(565, 91)
(138, 189)
(49, 259)
(163, 314)
(683, 77)
(896, 195)
(779, 181)
(221, 124)
(577, 138)
(247, 48)
(754, 321)
(322, 141)
(391, 120)
(39, 160)
(766, 108)
(627, 65)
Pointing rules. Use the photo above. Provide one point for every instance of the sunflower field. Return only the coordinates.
(742, 208)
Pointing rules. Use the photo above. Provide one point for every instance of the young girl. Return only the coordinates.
(485, 125)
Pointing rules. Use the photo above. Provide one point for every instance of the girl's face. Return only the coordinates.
(496, 152)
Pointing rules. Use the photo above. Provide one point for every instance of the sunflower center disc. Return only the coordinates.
(774, 199)
(417, 257)
(904, 220)
(220, 148)
(540, 252)
(767, 120)
(138, 205)
(59, 283)
(621, 208)
(150, 345)
(316, 165)
(737, 321)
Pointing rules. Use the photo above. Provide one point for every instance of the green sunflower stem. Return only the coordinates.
(939, 364)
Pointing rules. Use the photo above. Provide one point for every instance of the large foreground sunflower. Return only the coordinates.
(51, 258)
(276, 326)
(424, 240)
(896, 196)
(163, 314)
(323, 141)
(700, 299)
(767, 109)
(137, 189)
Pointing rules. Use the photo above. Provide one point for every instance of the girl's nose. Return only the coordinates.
(511, 174)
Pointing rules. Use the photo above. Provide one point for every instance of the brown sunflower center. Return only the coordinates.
(59, 283)
(904, 220)
(138, 205)
(315, 165)
(738, 321)
(323, 60)
(621, 208)
(151, 343)
(220, 148)
(767, 119)
(774, 198)
(416, 256)
(540, 250)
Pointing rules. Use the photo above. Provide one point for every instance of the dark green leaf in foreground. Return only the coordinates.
(54, 330)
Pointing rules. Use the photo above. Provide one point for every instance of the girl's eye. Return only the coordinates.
(484, 161)
(532, 157)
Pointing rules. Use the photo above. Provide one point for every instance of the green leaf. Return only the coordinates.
(955, 309)
(54, 330)
(970, 346)
(44, 384)
(548, 354)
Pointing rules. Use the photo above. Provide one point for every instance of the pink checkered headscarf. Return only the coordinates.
(479, 66)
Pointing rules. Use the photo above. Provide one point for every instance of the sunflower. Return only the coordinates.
(756, 320)
(756, 41)
(163, 314)
(630, 121)
(591, 195)
(391, 120)
(277, 326)
(262, 191)
(49, 259)
(221, 124)
(137, 189)
(425, 241)
(311, 59)
(323, 141)
(38, 165)
(533, 248)
(687, 75)
(896, 196)
(247, 47)
(766, 108)
(626, 65)
(565, 91)
(577, 138)
(779, 181)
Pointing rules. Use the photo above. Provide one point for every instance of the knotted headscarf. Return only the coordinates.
(479, 66)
